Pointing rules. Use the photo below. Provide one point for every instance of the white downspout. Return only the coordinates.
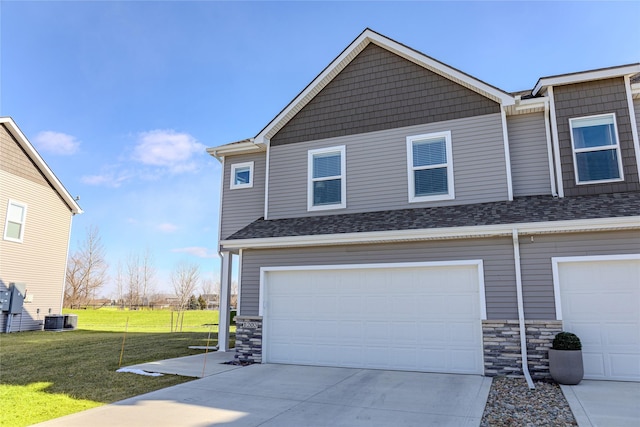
(556, 143)
(547, 131)
(523, 329)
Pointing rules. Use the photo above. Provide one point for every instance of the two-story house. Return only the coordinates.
(36, 212)
(402, 214)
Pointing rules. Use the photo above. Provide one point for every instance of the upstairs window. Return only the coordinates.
(430, 167)
(14, 225)
(242, 175)
(326, 186)
(596, 150)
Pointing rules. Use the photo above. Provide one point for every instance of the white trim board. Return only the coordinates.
(555, 261)
(478, 263)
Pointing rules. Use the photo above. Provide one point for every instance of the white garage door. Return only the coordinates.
(600, 302)
(400, 318)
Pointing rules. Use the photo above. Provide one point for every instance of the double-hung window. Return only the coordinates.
(430, 167)
(326, 184)
(596, 149)
(242, 175)
(14, 225)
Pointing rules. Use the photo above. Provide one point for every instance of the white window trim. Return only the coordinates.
(343, 178)
(24, 220)
(599, 148)
(232, 179)
(449, 165)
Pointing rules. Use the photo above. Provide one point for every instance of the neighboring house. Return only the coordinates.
(402, 214)
(35, 215)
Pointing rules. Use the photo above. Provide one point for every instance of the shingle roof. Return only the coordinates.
(529, 209)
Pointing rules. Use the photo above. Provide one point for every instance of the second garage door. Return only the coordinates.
(600, 302)
(422, 318)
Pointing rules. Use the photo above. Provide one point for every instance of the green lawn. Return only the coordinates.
(113, 319)
(45, 375)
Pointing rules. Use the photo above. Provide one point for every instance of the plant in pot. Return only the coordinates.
(565, 359)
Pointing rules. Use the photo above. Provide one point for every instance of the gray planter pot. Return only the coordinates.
(566, 366)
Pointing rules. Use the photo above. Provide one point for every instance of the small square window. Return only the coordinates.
(326, 182)
(242, 175)
(430, 167)
(596, 150)
(14, 225)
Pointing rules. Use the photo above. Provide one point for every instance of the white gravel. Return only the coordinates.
(512, 403)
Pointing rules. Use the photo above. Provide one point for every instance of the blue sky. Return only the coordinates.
(121, 98)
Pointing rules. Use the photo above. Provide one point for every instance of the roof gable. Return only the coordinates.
(351, 52)
(39, 162)
(381, 90)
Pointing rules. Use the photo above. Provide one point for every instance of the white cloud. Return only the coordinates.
(167, 227)
(167, 149)
(107, 179)
(198, 251)
(57, 143)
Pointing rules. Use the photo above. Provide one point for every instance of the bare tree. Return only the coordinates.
(86, 270)
(184, 278)
(119, 284)
(133, 280)
(147, 276)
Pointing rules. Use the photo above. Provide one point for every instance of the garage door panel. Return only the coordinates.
(396, 318)
(600, 302)
(624, 366)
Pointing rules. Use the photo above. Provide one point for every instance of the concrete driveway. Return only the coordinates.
(291, 395)
(604, 403)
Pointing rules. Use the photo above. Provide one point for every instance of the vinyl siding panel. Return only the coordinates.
(529, 158)
(536, 254)
(376, 168)
(587, 99)
(496, 253)
(381, 90)
(242, 206)
(39, 261)
(14, 160)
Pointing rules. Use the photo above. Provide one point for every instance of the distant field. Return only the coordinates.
(114, 319)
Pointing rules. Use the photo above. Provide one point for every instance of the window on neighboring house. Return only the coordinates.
(430, 167)
(596, 150)
(326, 179)
(242, 175)
(14, 225)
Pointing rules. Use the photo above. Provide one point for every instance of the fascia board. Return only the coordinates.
(347, 55)
(599, 224)
(604, 73)
(41, 164)
(237, 148)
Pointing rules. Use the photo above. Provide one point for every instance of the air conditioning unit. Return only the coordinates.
(54, 322)
(70, 321)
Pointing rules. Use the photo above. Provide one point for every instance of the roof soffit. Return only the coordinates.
(363, 40)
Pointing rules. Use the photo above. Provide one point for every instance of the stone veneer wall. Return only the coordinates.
(249, 339)
(502, 347)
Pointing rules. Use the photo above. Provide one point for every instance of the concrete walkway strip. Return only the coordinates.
(604, 403)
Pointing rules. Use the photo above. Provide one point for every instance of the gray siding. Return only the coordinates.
(537, 278)
(529, 157)
(586, 99)
(380, 90)
(376, 166)
(242, 206)
(497, 253)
